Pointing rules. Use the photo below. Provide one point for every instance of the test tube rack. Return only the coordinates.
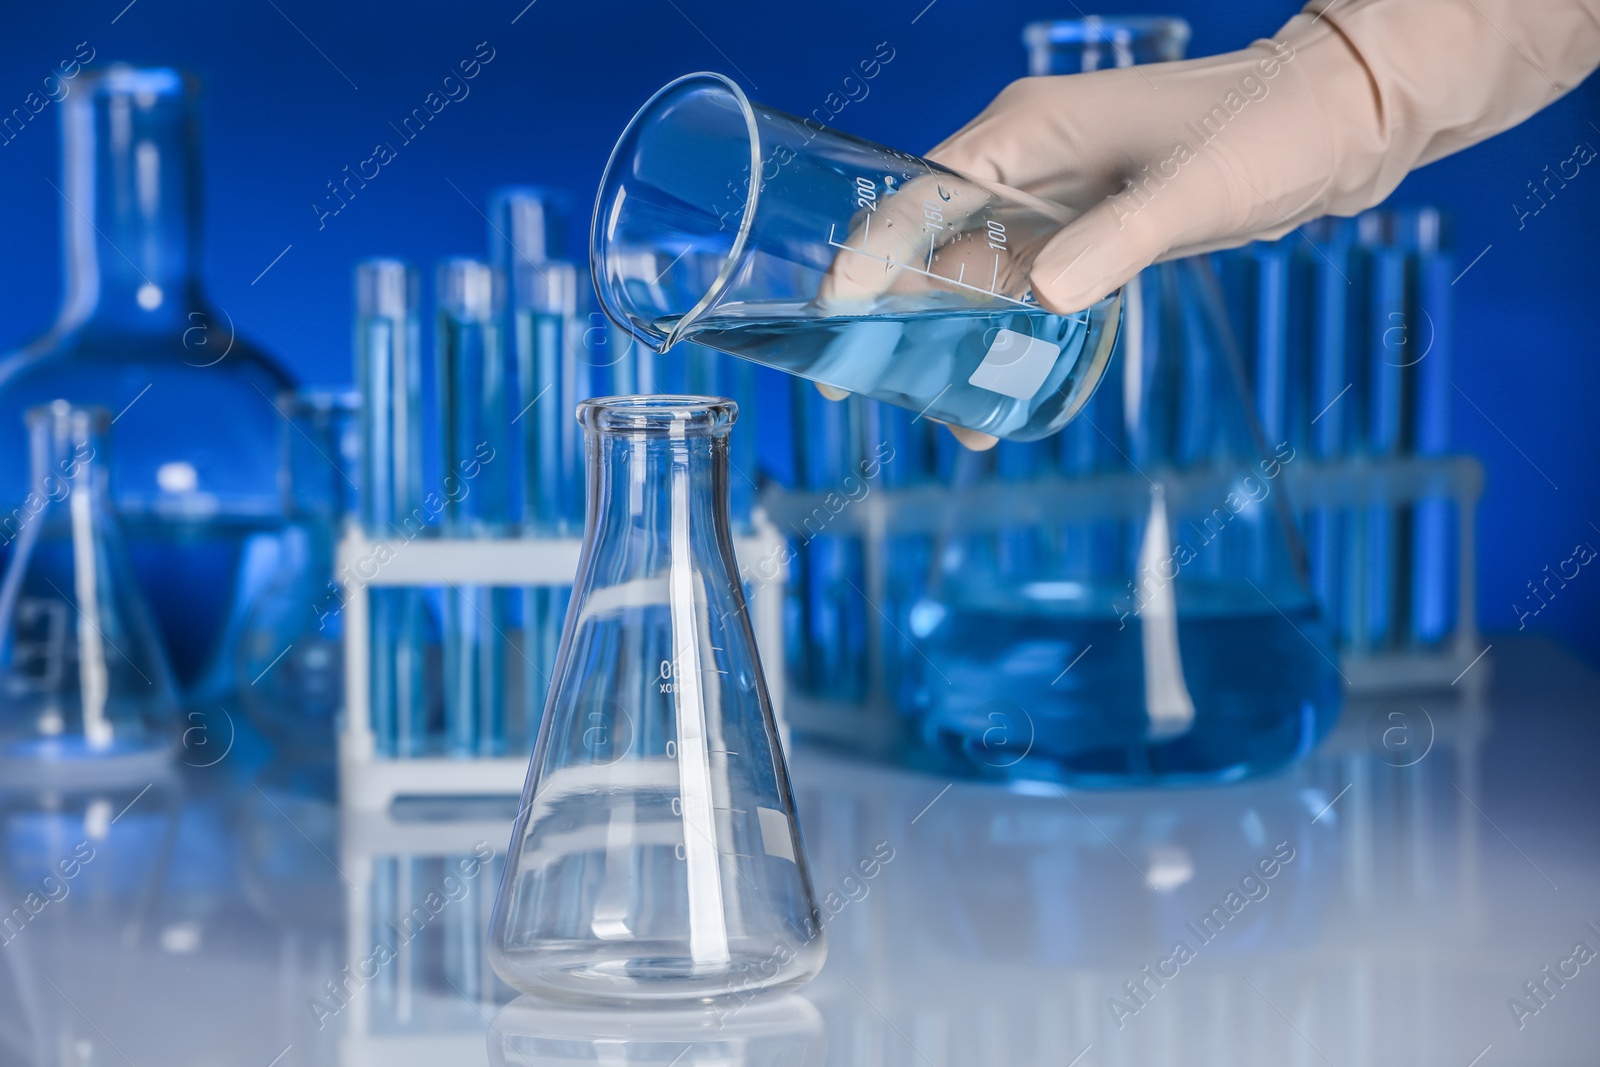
(1353, 486)
(372, 782)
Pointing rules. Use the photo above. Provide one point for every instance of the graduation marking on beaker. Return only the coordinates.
(958, 282)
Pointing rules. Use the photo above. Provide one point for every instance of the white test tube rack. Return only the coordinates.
(370, 782)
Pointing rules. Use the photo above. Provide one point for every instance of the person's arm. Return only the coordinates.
(1327, 117)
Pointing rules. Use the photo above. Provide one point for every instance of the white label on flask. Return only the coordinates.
(1016, 365)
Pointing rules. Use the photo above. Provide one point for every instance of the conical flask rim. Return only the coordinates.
(659, 415)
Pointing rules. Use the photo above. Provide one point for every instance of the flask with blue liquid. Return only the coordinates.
(196, 467)
(1160, 629)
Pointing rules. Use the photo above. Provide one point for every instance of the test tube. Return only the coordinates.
(831, 650)
(1434, 548)
(552, 376)
(1324, 263)
(388, 368)
(475, 429)
(1387, 594)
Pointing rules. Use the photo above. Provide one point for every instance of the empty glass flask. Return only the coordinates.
(85, 689)
(656, 855)
(196, 472)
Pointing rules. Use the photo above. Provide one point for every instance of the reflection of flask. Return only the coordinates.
(1173, 637)
(778, 1032)
(196, 470)
(84, 680)
(656, 855)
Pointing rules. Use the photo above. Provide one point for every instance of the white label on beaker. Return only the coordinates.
(775, 839)
(1016, 365)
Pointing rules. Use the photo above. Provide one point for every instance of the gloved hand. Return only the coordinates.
(1327, 117)
(1173, 159)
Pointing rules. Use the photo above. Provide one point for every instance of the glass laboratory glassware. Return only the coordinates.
(196, 463)
(697, 370)
(830, 630)
(1171, 635)
(656, 855)
(291, 653)
(553, 374)
(841, 261)
(474, 382)
(527, 225)
(388, 352)
(85, 688)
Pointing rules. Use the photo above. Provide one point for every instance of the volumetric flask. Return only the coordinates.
(656, 855)
(840, 261)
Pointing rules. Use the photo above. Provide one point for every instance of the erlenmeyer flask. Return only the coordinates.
(656, 854)
(84, 681)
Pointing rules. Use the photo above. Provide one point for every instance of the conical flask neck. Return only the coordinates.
(67, 453)
(131, 190)
(658, 470)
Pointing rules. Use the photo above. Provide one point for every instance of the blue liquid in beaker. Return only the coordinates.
(1018, 373)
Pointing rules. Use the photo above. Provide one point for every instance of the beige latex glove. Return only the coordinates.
(1172, 159)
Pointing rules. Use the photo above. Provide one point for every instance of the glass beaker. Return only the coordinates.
(291, 652)
(1168, 635)
(84, 681)
(656, 855)
(841, 261)
(196, 473)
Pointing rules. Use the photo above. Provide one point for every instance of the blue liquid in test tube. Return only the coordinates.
(552, 376)
(527, 238)
(388, 368)
(475, 430)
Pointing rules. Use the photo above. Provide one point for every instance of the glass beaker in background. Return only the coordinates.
(291, 653)
(895, 277)
(1173, 636)
(656, 856)
(85, 687)
(196, 464)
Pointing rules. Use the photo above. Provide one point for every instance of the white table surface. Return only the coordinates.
(1428, 883)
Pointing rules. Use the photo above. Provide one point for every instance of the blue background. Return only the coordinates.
(295, 90)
